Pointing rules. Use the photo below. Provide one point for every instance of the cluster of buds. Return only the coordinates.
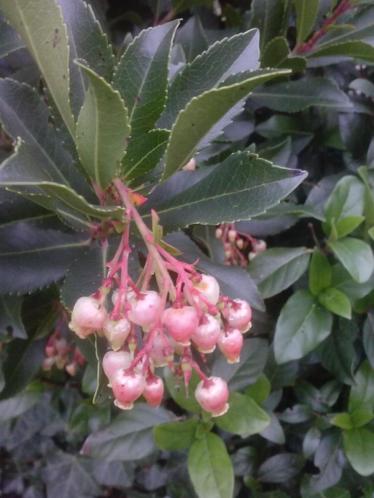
(62, 354)
(171, 316)
(240, 248)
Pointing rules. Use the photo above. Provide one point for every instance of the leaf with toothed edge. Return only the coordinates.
(47, 42)
(141, 75)
(241, 187)
(87, 42)
(201, 114)
(25, 115)
(27, 173)
(225, 57)
(102, 129)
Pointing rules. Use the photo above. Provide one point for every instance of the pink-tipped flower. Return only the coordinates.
(145, 309)
(238, 315)
(181, 323)
(127, 387)
(117, 332)
(88, 316)
(209, 288)
(207, 333)
(231, 344)
(114, 361)
(153, 391)
(161, 351)
(212, 395)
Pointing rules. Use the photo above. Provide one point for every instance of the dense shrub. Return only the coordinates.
(143, 145)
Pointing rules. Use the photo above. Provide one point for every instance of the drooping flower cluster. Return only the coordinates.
(171, 316)
(239, 248)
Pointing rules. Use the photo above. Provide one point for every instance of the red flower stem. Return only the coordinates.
(165, 279)
(303, 48)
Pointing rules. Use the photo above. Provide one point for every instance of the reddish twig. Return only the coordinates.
(343, 7)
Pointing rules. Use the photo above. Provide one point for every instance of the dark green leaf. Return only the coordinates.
(9, 39)
(329, 459)
(244, 417)
(88, 42)
(301, 327)
(48, 44)
(192, 37)
(320, 273)
(356, 256)
(368, 338)
(277, 268)
(102, 129)
(295, 96)
(336, 302)
(17, 405)
(210, 468)
(129, 437)
(200, 115)
(306, 15)
(143, 153)
(359, 448)
(260, 390)
(174, 436)
(141, 75)
(32, 257)
(239, 188)
(356, 49)
(248, 370)
(224, 58)
(274, 431)
(270, 16)
(11, 324)
(280, 468)
(277, 54)
(362, 391)
(23, 360)
(183, 396)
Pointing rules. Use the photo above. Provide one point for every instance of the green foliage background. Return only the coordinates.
(278, 112)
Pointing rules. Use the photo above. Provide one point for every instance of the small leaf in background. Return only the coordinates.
(141, 75)
(295, 96)
(320, 273)
(362, 391)
(260, 390)
(244, 417)
(240, 187)
(17, 405)
(368, 338)
(102, 129)
(200, 115)
(277, 54)
(270, 17)
(252, 361)
(48, 44)
(210, 467)
(336, 302)
(184, 398)
(280, 468)
(302, 325)
(9, 39)
(11, 324)
(359, 448)
(306, 16)
(174, 436)
(277, 268)
(356, 256)
(129, 437)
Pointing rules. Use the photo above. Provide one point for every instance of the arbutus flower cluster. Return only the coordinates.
(171, 316)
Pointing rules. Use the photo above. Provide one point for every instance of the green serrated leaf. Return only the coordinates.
(87, 42)
(301, 327)
(199, 116)
(336, 302)
(102, 129)
(226, 57)
(245, 417)
(277, 268)
(143, 153)
(241, 187)
(174, 436)
(306, 16)
(141, 75)
(210, 467)
(356, 256)
(48, 44)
